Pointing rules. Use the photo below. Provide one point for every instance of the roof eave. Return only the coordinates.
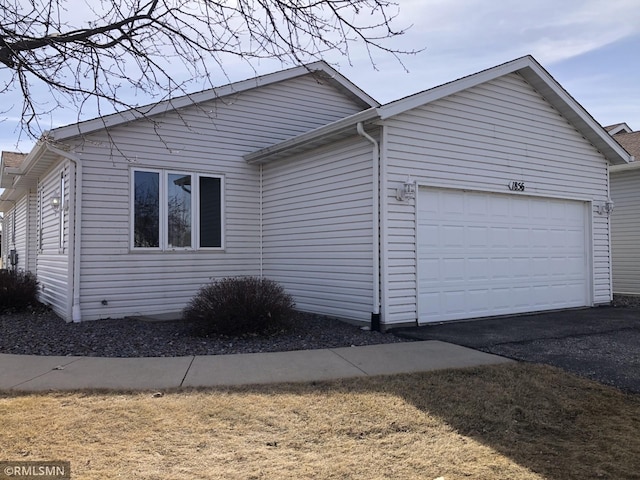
(573, 112)
(540, 80)
(19, 180)
(138, 113)
(312, 139)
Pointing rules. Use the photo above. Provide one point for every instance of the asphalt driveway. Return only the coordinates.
(601, 343)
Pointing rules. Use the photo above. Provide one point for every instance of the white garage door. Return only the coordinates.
(482, 254)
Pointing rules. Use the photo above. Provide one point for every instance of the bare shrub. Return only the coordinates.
(237, 306)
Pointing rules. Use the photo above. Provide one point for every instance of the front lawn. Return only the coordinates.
(513, 421)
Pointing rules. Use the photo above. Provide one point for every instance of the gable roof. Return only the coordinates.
(321, 70)
(526, 66)
(618, 128)
(16, 177)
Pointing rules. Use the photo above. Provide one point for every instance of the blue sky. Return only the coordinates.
(591, 47)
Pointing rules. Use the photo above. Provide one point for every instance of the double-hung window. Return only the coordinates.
(176, 210)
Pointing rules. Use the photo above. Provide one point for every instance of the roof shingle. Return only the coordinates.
(630, 142)
(12, 159)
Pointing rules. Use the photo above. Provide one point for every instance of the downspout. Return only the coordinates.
(261, 233)
(375, 314)
(75, 240)
(593, 293)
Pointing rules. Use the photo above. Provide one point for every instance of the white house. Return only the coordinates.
(625, 220)
(484, 196)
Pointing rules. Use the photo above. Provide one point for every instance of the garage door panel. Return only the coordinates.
(501, 254)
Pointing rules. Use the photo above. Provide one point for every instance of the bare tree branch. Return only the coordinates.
(84, 50)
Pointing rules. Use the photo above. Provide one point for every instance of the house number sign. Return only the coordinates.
(516, 186)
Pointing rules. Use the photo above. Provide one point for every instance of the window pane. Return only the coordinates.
(210, 212)
(146, 221)
(179, 210)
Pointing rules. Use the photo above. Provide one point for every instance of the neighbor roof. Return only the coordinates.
(631, 143)
(526, 66)
(618, 128)
(12, 159)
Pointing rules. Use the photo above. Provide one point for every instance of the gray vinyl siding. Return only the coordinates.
(481, 139)
(32, 228)
(7, 229)
(52, 266)
(19, 224)
(209, 138)
(4, 252)
(625, 231)
(318, 229)
(7, 236)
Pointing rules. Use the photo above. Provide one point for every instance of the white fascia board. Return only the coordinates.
(137, 113)
(19, 175)
(309, 139)
(413, 101)
(575, 113)
(341, 81)
(540, 80)
(11, 178)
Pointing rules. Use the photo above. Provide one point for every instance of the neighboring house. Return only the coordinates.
(484, 196)
(625, 220)
(16, 230)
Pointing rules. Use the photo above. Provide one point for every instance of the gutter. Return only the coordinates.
(75, 239)
(375, 314)
(632, 165)
(320, 134)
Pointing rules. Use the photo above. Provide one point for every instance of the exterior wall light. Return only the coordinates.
(407, 191)
(606, 208)
(55, 203)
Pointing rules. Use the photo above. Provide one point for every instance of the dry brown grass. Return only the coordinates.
(505, 422)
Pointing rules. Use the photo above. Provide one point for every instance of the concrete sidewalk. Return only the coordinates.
(35, 373)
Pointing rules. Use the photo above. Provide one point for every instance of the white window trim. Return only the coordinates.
(164, 202)
(132, 208)
(163, 176)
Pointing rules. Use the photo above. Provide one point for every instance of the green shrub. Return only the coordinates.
(237, 306)
(18, 290)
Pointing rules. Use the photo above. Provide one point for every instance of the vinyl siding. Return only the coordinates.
(7, 236)
(52, 264)
(481, 139)
(32, 228)
(318, 229)
(18, 233)
(209, 138)
(625, 231)
(4, 248)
